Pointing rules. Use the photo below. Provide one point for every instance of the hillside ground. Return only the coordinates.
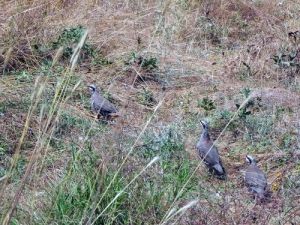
(166, 65)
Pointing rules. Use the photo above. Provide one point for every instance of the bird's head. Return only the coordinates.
(250, 159)
(92, 88)
(204, 124)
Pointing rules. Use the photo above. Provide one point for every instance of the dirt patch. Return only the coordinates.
(276, 97)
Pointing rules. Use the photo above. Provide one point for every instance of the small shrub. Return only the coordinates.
(145, 97)
(250, 107)
(166, 143)
(287, 58)
(24, 76)
(142, 68)
(206, 104)
(147, 63)
(246, 92)
(69, 39)
(220, 118)
(258, 128)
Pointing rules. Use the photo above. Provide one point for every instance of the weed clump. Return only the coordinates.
(288, 61)
(206, 104)
(69, 38)
(142, 68)
(80, 194)
(146, 97)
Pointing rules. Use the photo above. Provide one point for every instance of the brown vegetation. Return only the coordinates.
(163, 63)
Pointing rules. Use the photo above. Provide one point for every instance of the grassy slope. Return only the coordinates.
(211, 56)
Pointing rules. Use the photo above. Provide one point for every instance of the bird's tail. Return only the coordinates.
(116, 114)
(219, 171)
(259, 192)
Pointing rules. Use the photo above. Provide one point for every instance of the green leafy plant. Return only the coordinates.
(246, 92)
(221, 117)
(245, 111)
(175, 165)
(164, 143)
(206, 104)
(147, 63)
(258, 128)
(23, 76)
(287, 59)
(145, 97)
(69, 36)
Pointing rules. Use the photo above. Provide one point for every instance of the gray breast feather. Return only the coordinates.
(101, 105)
(211, 153)
(256, 179)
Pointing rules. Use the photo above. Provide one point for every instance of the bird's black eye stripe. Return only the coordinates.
(92, 88)
(249, 159)
(203, 124)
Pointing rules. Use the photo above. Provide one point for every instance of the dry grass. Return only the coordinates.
(219, 50)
